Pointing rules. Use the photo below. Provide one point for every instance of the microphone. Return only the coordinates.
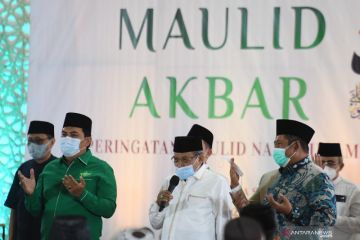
(174, 181)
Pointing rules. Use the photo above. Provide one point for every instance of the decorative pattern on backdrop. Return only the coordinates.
(14, 67)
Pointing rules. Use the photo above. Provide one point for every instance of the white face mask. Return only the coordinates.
(331, 172)
(70, 146)
(37, 151)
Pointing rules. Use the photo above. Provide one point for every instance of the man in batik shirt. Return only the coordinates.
(299, 191)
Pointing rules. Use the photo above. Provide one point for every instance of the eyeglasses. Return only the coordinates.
(330, 163)
(37, 140)
(184, 161)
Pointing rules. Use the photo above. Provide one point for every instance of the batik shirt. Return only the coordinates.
(310, 192)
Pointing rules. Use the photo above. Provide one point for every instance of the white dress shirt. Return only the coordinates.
(198, 211)
(348, 210)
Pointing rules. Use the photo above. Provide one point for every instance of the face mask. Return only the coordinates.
(70, 146)
(331, 172)
(185, 172)
(37, 151)
(280, 156)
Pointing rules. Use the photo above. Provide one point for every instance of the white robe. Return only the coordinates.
(200, 208)
(347, 224)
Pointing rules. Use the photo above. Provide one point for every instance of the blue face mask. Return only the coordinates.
(280, 156)
(70, 146)
(37, 151)
(185, 172)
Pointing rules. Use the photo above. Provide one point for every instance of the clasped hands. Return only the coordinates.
(283, 204)
(74, 187)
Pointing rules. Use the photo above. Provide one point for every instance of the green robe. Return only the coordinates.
(51, 199)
